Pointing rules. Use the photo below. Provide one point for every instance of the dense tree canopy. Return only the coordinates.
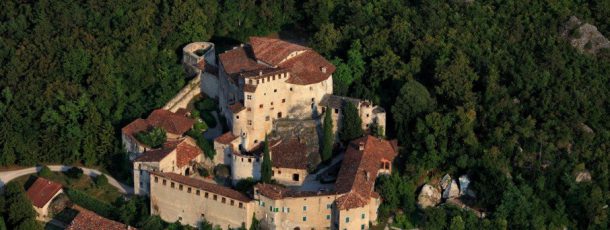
(486, 88)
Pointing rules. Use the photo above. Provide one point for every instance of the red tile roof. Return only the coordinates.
(289, 153)
(42, 191)
(226, 138)
(308, 68)
(359, 169)
(88, 220)
(186, 150)
(236, 107)
(277, 192)
(239, 60)
(170, 122)
(206, 186)
(272, 51)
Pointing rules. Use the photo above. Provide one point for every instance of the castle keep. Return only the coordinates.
(273, 90)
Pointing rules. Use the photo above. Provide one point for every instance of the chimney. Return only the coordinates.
(323, 68)
(360, 146)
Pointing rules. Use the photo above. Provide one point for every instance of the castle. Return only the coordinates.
(267, 89)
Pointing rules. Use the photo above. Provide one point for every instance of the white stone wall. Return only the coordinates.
(285, 176)
(243, 167)
(185, 204)
(291, 212)
(356, 218)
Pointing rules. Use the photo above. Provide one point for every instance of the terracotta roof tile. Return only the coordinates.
(289, 153)
(206, 186)
(41, 192)
(226, 138)
(272, 51)
(239, 60)
(277, 192)
(171, 122)
(186, 150)
(360, 167)
(88, 220)
(308, 68)
(236, 107)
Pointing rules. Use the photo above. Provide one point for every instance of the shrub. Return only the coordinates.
(102, 208)
(154, 137)
(206, 105)
(45, 172)
(245, 185)
(74, 172)
(203, 172)
(101, 180)
(209, 119)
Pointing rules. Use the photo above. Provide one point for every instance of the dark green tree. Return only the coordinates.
(266, 165)
(328, 138)
(152, 223)
(45, 172)
(101, 181)
(255, 225)
(154, 137)
(351, 124)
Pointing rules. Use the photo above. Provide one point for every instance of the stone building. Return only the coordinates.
(41, 193)
(371, 115)
(270, 79)
(176, 156)
(174, 124)
(178, 198)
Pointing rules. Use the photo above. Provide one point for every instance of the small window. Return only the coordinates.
(249, 97)
(270, 208)
(249, 160)
(290, 88)
(206, 195)
(346, 219)
(215, 197)
(295, 177)
(272, 103)
(197, 192)
(284, 100)
(336, 110)
(274, 90)
(367, 115)
(237, 117)
(304, 218)
(188, 190)
(172, 185)
(310, 88)
(156, 179)
(279, 171)
(249, 122)
(164, 182)
(362, 227)
(328, 206)
(328, 217)
(312, 99)
(267, 118)
(241, 205)
(260, 106)
(232, 202)
(180, 187)
(223, 200)
(362, 216)
(305, 208)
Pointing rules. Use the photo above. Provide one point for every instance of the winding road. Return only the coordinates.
(7, 176)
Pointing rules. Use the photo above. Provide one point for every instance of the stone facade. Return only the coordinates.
(371, 115)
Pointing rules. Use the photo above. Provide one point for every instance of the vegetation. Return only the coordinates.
(266, 165)
(245, 185)
(487, 88)
(18, 209)
(45, 172)
(101, 181)
(155, 137)
(91, 203)
(74, 172)
(351, 124)
(326, 150)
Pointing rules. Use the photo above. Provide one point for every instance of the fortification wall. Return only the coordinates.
(184, 97)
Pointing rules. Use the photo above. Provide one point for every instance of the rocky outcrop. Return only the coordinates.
(428, 197)
(464, 184)
(445, 181)
(584, 36)
(583, 176)
(452, 190)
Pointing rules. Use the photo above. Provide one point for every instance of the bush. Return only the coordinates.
(45, 172)
(74, 172)
(102, 208)
(209, 119)
(245, 185)
(154, 137)
(101, 180)
(206, 105)
(203, 172)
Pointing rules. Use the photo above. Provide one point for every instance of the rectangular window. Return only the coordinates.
(362, 216)
(275, 90)
(197, 192)
(276, 210)
(362, 227)
(304, 208)
(346, 219)
(260, 106)
(215, 197)
(180, 187)
(249, 97)
(272, 103)
(304, 218)
(336, 110)
(267, 118)
(156, 179)
(206, 195)
(232, 202)
(328, 217)
(328, 206)
(164, 182)
(271, 208)
(249, 122)
(223, 200)
(241, 205)
(284, 100)
(188, 190)
(172, 185)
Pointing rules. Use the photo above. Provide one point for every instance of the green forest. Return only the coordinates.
(486, 88)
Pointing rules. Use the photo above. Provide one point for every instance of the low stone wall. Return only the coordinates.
(184, 97)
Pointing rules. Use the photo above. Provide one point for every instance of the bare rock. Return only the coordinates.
(583, 176)
(428, 197)
(445, 181)
(452, 191)
(584, 36)
(464, 183)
